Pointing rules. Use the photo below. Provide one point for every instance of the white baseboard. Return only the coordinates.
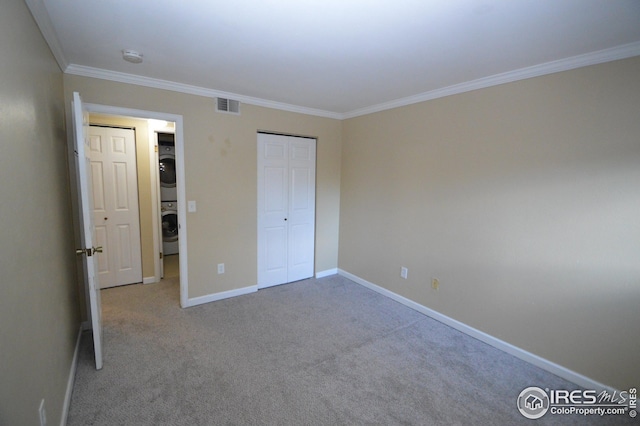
(536, 360)
(326, 273)
(219, 296)
(72, 376)
(149, 280)
(240, 291)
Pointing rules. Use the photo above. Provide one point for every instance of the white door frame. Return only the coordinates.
(291, 221)
(180, 172)
(154, 157)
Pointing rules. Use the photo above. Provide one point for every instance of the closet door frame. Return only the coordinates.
(286, 208)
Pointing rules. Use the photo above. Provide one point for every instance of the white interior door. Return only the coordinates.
(302, 208)
(273, 202)
(83, 173)
(286, 208)
(115, 203)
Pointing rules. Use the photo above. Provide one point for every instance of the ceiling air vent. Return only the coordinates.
(228, 105)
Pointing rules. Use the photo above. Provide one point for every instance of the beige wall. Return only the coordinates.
(39, 318)
(522, 199)
(221, 176)
(143, 163)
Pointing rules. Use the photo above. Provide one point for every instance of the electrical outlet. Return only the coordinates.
(404, 272)
(435, 284)
(220, 268)
(43, 414)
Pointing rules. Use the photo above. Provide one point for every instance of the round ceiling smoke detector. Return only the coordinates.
(132, 56)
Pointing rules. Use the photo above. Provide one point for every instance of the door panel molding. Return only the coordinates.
(116, 210)
(286, 208)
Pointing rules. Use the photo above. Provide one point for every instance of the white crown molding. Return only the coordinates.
(593, 58)
(192, 90)
(42, 19)
(41, 16)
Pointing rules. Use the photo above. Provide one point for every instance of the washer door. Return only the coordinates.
(169, 226)
(167, 166)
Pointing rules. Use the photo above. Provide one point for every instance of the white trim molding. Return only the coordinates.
(606, 55)
(71, 380)
(195, 301)
(192, 90)
(536, 360)
(326, 273)
(41, 16)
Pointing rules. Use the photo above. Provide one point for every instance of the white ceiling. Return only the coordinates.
(335, 57)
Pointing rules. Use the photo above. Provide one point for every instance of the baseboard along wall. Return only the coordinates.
(239, 292)
(195, 301)
(529, 357)
(520, 353)
(72, 376)
(326, 273)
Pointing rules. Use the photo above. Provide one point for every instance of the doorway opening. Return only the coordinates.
(170, 229)
(149, 125)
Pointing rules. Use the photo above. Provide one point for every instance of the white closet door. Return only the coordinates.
(273, 202)
(115, 201)
(286, 209)
(302, 208)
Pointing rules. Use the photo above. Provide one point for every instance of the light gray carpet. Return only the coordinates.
(315, 352)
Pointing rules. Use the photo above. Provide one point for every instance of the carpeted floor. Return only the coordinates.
(315, 352)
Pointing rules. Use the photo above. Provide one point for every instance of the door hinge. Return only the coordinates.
(160, 255)
(155, 148)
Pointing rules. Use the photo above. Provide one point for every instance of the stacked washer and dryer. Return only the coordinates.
(168, 192)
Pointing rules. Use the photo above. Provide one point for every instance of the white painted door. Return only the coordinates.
(286, 208)
(115, 203)
(273, 209)
(302, 208)
(83, 173)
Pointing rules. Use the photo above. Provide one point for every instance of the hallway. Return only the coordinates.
(171, 266)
